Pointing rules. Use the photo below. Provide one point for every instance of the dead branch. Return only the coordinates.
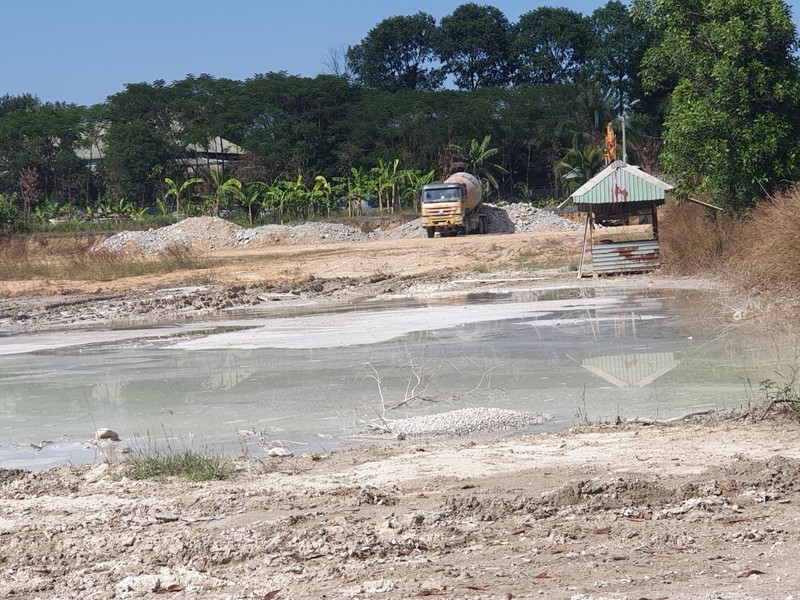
(643, 421)
(778, 401)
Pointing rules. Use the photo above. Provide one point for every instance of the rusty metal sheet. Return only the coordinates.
(626, 257)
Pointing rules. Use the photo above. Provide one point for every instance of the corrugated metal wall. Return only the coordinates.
(626, 257)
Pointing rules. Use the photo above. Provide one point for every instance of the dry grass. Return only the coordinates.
(767, 259)
(26, 258)
(695, 241)
(757, 257)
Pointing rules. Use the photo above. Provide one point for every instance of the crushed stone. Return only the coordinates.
(213, 233)
(465, 421)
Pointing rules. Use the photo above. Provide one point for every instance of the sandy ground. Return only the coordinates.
(686, 510)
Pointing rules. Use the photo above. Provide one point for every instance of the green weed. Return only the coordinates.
(159, 461)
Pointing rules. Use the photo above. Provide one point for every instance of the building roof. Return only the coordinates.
(621, 183)
(95, 149)
(217, 145)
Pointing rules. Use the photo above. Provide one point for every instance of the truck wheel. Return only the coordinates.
(430, 231)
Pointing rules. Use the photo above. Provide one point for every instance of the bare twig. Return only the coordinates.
(778, 401)
(642, 421)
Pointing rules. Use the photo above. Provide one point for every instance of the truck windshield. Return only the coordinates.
(441, 195)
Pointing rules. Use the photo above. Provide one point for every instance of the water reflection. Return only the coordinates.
(604, 352)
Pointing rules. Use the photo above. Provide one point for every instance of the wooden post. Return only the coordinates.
(591, 238)
(654, 210)
(583, 251)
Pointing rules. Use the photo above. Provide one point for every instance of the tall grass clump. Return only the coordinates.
(696, 241)
(160, 461)
(766, 259)
(23, 258)
(106, 266)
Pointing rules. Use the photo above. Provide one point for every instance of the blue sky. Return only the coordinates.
(85, 50)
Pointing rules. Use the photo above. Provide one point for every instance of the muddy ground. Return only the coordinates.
(685, 510)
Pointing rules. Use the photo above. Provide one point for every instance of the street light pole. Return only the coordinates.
(625, 141)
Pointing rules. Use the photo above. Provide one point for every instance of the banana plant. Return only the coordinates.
(173, 189)
(321, 194)
(415, 180)
(250, 198)
(221, 190)
(478, 159)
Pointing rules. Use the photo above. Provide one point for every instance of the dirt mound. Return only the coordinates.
(211, 233)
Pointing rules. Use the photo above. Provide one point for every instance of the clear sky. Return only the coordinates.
(83, 51)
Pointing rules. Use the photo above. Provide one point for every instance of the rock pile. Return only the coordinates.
(464, 422)
(211, 233)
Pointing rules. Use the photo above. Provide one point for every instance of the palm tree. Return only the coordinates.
(477, 159)
(578, 166)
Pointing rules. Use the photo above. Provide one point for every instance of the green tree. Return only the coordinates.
(732, 131)
(397, 54)
(42, 137)
(473, 45)
(477, 158)
(295, 123)
(141, 140)
(578, 166)
(552, 45)
(616, 52)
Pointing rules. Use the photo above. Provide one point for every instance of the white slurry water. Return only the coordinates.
(315, 381)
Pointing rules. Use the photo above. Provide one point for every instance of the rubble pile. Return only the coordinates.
(212, 233)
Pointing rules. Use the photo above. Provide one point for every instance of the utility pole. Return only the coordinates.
(625, 141)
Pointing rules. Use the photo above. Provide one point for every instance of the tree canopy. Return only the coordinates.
(715, 83)
(732, 130)
(552, 45)
(397, 54)
(473, 44)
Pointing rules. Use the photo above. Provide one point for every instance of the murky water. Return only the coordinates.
(309, 380)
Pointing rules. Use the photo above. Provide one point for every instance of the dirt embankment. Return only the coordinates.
(692, 511)
(280, 272)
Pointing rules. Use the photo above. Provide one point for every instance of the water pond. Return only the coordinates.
(311, 379)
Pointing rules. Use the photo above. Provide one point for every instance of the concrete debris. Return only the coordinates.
(212, 233)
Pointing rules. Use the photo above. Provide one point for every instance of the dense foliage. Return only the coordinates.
(527, 103)
(731, 130)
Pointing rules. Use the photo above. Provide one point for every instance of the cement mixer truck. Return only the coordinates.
(454, 206)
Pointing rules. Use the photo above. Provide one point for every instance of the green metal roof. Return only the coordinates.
(621, 183)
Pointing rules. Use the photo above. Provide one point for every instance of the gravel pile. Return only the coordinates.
(465, 421)
(211, 233)
(525, 217)
(203, 233)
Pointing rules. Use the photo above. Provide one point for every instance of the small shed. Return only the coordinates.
(619, 191)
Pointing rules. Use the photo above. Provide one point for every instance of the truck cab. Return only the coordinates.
(452, 207)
